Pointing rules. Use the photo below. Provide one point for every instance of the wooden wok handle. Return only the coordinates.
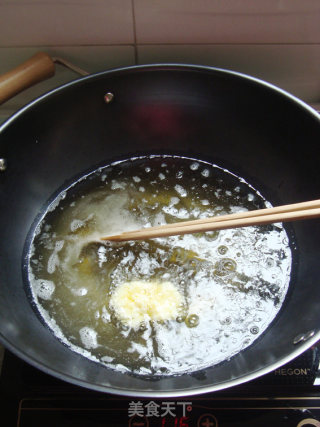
(39, 67)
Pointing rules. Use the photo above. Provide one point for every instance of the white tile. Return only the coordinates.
(227, 21)
(91, 59)
(294, 68)
(65, 22)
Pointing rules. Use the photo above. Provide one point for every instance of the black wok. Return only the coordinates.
(254, 129)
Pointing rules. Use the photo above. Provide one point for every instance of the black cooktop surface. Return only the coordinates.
(287, 397)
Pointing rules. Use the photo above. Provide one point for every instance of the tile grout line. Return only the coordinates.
(135, 44)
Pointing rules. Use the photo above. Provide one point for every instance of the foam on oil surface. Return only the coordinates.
(232, 283)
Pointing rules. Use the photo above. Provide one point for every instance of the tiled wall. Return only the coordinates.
(276, 40)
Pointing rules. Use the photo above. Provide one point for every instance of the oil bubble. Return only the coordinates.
(205, 173)
(254, 330)
(226, 321)
(143, 327)
(222, 250)
(212, 235)
(194, 166)
(225, 266)
(192, 321)
(182, 310)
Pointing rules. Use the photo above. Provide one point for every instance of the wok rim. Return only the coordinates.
(167, 393)
(159, 394)
(161, 66)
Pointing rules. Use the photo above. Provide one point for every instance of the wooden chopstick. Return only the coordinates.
(293, 212)
(247, 214)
